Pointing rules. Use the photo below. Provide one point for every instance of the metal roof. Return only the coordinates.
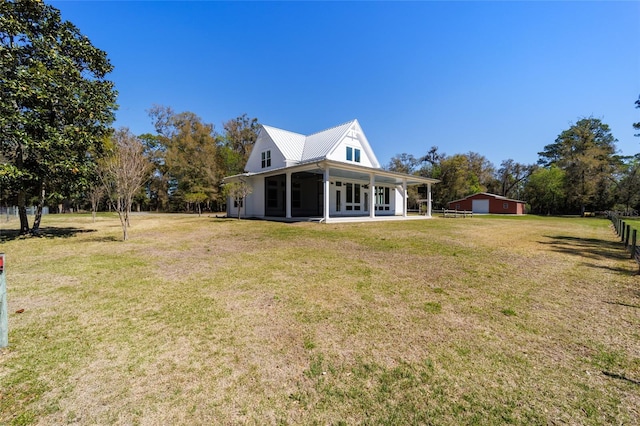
(318, 145)
(301, 148)
(490, 195)
(289, 143)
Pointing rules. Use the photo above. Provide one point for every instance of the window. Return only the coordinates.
(353, 154)
(338, 199)
(295, 195)
(272, 198)
(383, 197)
(266, 159)
(505, 206)
(353, 201)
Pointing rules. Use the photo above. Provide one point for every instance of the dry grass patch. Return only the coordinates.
(199, 320)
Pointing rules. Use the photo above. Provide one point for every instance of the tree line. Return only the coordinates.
(580, 171)
(58, 146)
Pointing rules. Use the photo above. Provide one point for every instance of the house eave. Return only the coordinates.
(322, 163)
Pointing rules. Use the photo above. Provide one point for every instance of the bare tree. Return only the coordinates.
(96, 193)
(238, 191)
(123, 173)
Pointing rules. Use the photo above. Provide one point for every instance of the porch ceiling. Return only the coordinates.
(353, 175)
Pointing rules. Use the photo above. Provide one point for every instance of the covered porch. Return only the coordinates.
(330, 191)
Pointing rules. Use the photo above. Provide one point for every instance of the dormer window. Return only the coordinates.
(353, 154)
(266, 159)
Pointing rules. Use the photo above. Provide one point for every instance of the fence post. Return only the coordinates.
(4, 321)
(626, 236)
(621, 233)
(633, 243)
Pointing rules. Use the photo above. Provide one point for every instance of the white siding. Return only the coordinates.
(264, 143)
(339, 153)
(254, 203)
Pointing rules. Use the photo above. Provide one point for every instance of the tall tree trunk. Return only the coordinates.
(36, 222)
(22, 212)
(123, 222)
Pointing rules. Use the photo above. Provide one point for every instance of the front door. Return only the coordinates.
(353, 201)
(275, 196)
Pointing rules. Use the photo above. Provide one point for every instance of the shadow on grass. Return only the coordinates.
(590, 248)
(622, 304)
(49, 232)
(620, 377)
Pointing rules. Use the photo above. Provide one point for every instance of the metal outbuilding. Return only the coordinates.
(484, 202)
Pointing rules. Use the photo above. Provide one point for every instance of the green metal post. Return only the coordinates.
(4, 320)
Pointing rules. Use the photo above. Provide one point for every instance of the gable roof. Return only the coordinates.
(289, 143)
(300, 148)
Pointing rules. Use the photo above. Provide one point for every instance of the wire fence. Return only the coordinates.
(10, 213)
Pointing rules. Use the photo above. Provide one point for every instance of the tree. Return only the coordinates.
(403, 163)
(157, 188)
(240, 134)
(55, 104)
(586, 153)
(238, 191)
(628, 190)
(461, 175)
(96, 193)
(511, 177)
(545, 190)
(123, 172)
(189, 156)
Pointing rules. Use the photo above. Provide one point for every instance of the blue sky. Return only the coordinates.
(499, 78)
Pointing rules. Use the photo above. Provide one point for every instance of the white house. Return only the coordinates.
(331, 176)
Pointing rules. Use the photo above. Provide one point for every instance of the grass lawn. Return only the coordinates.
(198, 320)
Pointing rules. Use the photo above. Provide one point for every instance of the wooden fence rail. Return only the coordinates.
(454, 213)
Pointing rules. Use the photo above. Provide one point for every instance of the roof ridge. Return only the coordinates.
(282, 130)
(332, 127)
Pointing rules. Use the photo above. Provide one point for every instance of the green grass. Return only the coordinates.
(197, 320)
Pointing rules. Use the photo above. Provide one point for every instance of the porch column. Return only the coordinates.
(428, 200)
(372, 199)
(404, 201)
(326, 194)
(288, 195)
